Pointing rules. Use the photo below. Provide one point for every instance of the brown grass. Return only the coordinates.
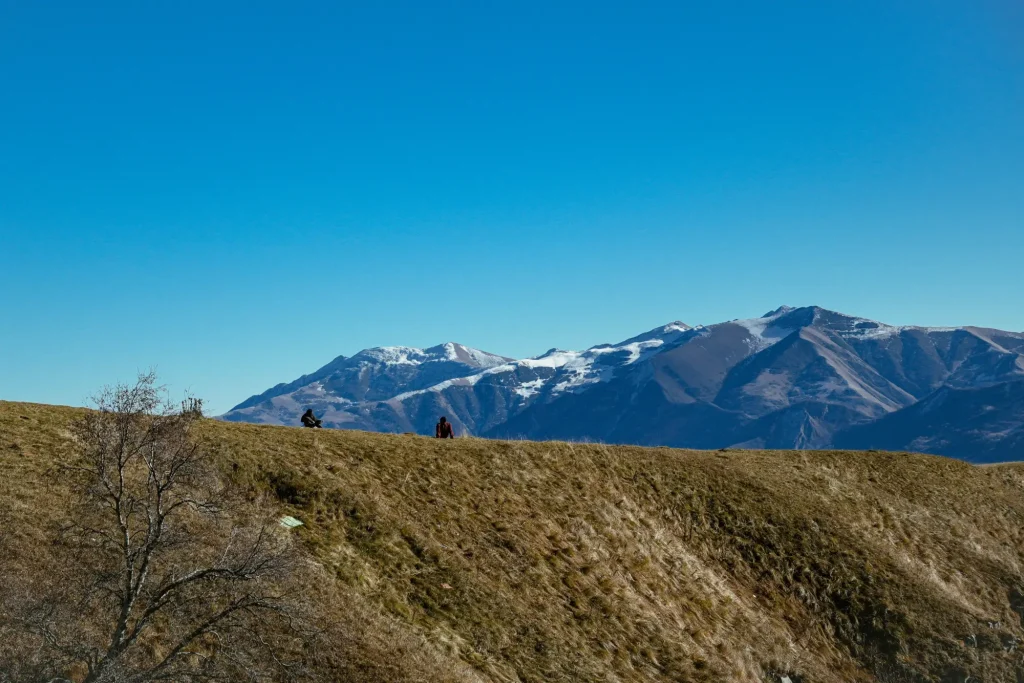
(479, 560)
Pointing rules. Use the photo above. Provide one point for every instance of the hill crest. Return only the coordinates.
(477, 560)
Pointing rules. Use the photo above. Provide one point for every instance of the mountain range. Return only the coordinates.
(794, 378)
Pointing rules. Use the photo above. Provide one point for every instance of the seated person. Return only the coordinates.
(443, 429)
(309, 420)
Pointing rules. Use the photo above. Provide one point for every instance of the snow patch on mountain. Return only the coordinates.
(528, 389)
(457, 353)
(763, 331)
(448, 352)
(467, 381)
(635, 350)
(600, 363)
(554, 358)
(862, 328)
(673, 328)
(482, 358)
(394, 355)
(572, 369)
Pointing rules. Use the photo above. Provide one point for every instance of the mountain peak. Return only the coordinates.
(452, 352)
(393, 355)
(467, 355)
(781, 310)
(665, 333)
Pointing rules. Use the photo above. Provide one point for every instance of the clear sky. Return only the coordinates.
(237, 192)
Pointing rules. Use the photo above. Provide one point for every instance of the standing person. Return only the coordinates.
(309, 419)
(443, 430)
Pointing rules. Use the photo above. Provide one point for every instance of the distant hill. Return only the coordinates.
(496, 561)
(794, 378)
(986, 423)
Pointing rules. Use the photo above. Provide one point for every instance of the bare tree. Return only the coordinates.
(162, 573)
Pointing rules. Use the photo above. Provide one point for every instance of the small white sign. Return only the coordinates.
(290, 522)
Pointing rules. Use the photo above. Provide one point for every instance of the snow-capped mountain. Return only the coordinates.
(795, 377)
(368, 376)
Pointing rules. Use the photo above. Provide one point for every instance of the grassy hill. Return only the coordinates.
(475, 560)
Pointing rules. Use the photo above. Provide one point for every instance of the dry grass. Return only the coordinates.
(474, 560)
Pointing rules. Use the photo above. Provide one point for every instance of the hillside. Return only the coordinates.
(476, 560)
(987, 423)
(793, 378)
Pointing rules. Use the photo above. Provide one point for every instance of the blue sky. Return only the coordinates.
(235, 193)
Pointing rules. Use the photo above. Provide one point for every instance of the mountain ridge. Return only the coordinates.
(804, 377)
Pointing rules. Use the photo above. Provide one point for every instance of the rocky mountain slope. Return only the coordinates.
(794, 378)
(985, 423)
(477, 561)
